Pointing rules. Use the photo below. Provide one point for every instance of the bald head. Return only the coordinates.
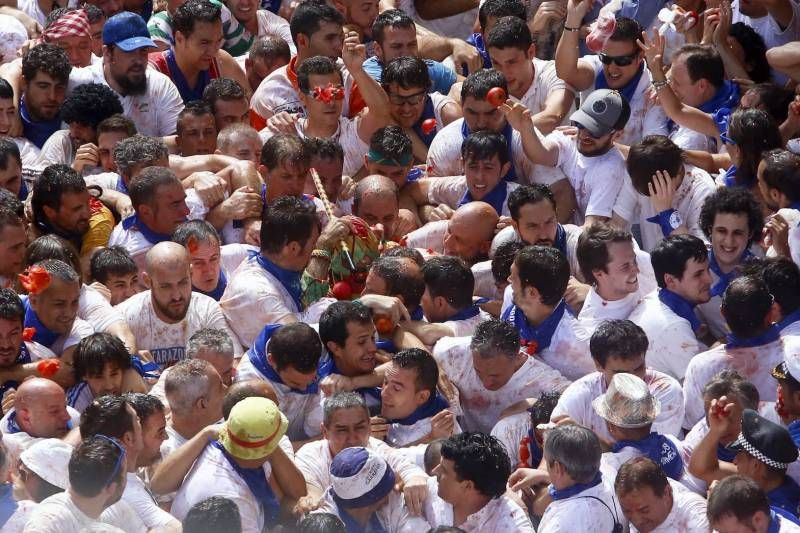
(166, 255)
(240, 390)
(41, 407)
(377, 202)
(470, 231)
(374, 186)
(167, 274)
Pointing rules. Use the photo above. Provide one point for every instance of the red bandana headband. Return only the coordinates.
(70, 24)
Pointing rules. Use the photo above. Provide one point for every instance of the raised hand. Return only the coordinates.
(353, 52)
(653, 49)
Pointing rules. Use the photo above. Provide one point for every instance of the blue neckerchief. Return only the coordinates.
(464, 314)
(37, 131)
(153, 237)
(217, 292)
(543, 334)
(351, 526)
(23, 191)
(659, 449)
(476, 40)
(271, 5)
(256, 481)
(257, 354)
(188, 94)
(725, 454)
(11, 424)
(772, 334)
(786, 496)
(288, 278)
(537, 454)
(628, 91)
(121, 187)
(680, 307)
(561, 239)
(774, 522)
(8, 505)
(24, 355)
(723, 102)
(148, 370)
(507, 132)
(417, 313)
(427, 112)
(791, 318)
(74, 393)
(724, 279)
(729, 179)
(387, 345)
(575, 489)
(414, 175)
(784, 514)
(43, 336)
(495, 198)
(793, 205)
(374, 392)
(435, 404)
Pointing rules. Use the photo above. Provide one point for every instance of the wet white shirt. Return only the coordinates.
(688, 513)
(572, 233)
(581, 513)
(449, 191)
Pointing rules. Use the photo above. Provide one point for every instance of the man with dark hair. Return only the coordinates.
(257, 21)
(667, 315)
(619, 66)
(653, 503)
(391, 154)
(399, 277)
(196, 130)
(610, 265)
(285, 161)
(538, 311)
(114, 268)
(13, 240)
(228, 101)
(534, 82)
(266, 55)
(290, 358)
(731, 220)
(754, 347)
(82, 111)
(779, 186)
(737, 503)
(212, 515)
(97, 479)
(328, 161)
(195, 57)
(664, 195)
(782, 277)
(489, 12)
(99, 364)
(471, 484)
(491, 373)
(45, 72)
(417, 413)
(618, 346)
(600, 121)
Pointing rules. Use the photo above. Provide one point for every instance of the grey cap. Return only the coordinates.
(603, 111)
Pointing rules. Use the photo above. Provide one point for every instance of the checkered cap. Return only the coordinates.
(70, 24)
(765, 440)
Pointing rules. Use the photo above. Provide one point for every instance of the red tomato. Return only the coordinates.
(384, 325)
(496, 96)
(342, 290)
(428, 126)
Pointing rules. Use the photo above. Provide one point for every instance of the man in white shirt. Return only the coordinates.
(376, 201)
(12, 244)
(777, 182)
(164, 317)
(531, 81)
(535, 306)
(592, 163)
(663, 196)
(491, 373)
(609, 264)
(447, 301)
(782, 276)
(654, 504)
(667, 315)
(233, 466)
(148, 97)
(40, 412)
(97, 480)
(471, 480)
(346, 424)
(777, 22)
(290, 358)
(619, 346)
(737, 503)
(753, 348)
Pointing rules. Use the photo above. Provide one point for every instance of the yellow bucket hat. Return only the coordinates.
(253, 429)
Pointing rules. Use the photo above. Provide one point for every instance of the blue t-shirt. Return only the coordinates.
(442, 78)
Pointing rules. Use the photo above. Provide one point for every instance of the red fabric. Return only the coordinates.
(71, 24)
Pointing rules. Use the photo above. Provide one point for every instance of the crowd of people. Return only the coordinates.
(401, 266)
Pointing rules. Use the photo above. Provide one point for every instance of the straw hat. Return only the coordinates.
(253, 429)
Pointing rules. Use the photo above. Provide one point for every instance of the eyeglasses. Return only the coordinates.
(120, 458)
(411, 99)
(620, 61)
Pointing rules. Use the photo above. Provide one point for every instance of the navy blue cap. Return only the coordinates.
(127, 31)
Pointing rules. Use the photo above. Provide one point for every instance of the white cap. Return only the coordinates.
(12, 36)
(49, 459)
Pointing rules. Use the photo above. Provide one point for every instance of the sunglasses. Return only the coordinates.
(620, 61)
(411, 99)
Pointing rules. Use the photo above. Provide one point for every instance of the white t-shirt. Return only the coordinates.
(271, 24)
(576, 402)
(672, 340)
(155, 112)
(429, 237)
(400, 435)
(770, 31)
(596, 180)
(545, 82)
(451, 189)
(142, 501)
(482, 407)
(572, 232)
(646, 118)
(57, 149)
(80, 329)
(167, 342)
(59, 514)
(255, 298)
(17, 521)
(754, 364)
(688, 200)
(96, 310)
(580, 513)
(458, 25)
(688, 513)
(596, 309)
(444, 157)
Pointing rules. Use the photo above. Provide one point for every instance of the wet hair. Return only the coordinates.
(399, 280)
(493, 338)
(90, 104)
(308, 17)
(11, 307)
(510, 32)
(192, 12)
(481, 459)
(270, 48)
(479, 83)
(407, 72)
(321, 523)
(112, 261)
(341, 400)
(729, 383)
(671, 255)
(627, 29)
(450, 278)
(484, 145)
(391, 142)
(326, 149)
(144, 188)
(47, 58)
(652, 154)
(145, 405)
(222, 89)
(96, 351)
(107, 415)
(528, 194)
(391, 18)
(287, 219)
(201, 230)
(138, 150)
(93, 464)
(499, 9)
(282, 149)
(546, 269)
(117, 123)
(333, 321)
(195, 108)
(423, 364)
(55, 181)
(503, 259)
(315, 66)
(617, 338)
(213, 515)
(297, 346)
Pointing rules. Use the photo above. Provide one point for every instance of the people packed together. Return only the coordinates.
(400, 266)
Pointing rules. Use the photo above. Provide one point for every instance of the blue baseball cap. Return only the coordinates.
(127, 31)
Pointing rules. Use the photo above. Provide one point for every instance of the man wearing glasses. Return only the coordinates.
(619, 66)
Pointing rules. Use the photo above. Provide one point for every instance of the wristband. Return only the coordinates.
(668, 219)
(567, 28)
(659, 84)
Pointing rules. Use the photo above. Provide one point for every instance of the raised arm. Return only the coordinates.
(376, 115)
(569, 67)
(704, 463)
(519, 116)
